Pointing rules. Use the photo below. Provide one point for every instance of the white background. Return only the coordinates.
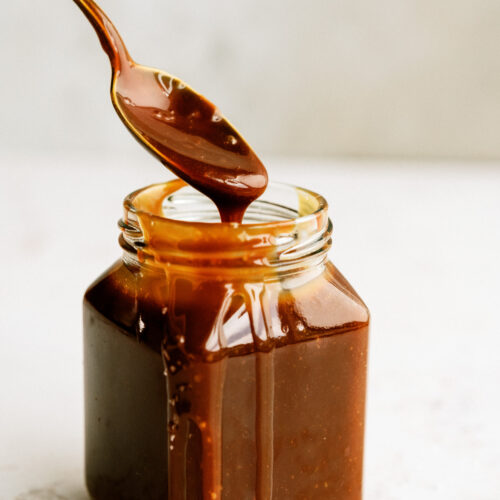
(308, 84)
(322, 77)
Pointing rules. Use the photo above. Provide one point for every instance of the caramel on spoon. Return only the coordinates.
(179, 126)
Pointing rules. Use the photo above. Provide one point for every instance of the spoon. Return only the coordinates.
(180, 127)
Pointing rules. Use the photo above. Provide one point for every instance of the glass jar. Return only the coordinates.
(224, 360)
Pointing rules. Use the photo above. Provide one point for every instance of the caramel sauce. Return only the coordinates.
(264, 362)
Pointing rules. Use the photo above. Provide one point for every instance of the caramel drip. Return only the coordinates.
(264, 424)
(264, 374)
(195, 387)
(195, 391)
(195, 396)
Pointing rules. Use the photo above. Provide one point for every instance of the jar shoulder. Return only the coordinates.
(345, 296)
(104, 295)
(326, 304)
(128, 299)
(146, 305)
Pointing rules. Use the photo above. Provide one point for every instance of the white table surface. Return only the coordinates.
(419, 241)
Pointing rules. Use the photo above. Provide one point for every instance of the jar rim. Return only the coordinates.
(315, 203)
(272, 243)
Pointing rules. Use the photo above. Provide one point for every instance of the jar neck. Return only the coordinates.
(287, 231)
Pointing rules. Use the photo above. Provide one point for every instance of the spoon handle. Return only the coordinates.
(109, 37)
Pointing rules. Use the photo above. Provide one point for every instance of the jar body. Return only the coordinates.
(279, 423)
